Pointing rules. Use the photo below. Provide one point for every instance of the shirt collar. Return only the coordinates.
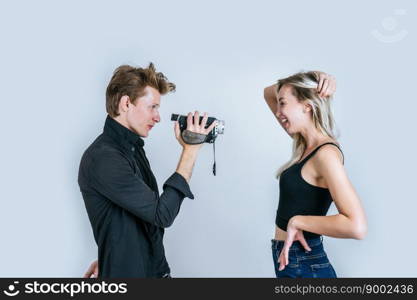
(122, 134)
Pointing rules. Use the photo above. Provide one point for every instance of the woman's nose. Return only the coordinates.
(278, 112)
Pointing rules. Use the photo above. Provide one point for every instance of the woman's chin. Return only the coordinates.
(290, 132)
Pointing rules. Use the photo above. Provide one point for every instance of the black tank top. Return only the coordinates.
(298, 197)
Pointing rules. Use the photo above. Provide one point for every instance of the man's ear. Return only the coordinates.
(124, 103)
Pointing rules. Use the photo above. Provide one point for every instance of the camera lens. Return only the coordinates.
(220, 127)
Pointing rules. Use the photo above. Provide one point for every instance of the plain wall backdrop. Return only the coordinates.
(58, 56)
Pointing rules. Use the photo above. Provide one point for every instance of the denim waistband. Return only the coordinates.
(296, 245)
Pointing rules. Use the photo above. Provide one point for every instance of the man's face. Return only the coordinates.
(142, 116)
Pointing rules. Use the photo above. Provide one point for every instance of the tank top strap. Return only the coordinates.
(318, 147)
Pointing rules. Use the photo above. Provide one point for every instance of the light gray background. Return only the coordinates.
(58, 56)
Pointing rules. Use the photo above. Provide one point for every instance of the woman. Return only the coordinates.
(312, 179)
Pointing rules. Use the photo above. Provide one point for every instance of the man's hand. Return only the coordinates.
(92, 271)
(193, 125)
(189, 152)
(327, 85)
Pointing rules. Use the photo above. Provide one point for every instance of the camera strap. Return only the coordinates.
(193, 138)
(214, 156)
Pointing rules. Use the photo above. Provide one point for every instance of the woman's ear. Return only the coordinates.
(307, 108)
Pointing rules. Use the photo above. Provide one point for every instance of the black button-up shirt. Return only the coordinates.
(127, 214)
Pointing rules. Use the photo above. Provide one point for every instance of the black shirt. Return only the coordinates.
(298, 197)
(126, 213)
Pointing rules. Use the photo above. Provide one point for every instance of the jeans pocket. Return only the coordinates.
(324, 270)
(317, 256)
(313, 257)
(316, 267)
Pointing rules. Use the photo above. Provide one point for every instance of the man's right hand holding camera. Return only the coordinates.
(189, 152)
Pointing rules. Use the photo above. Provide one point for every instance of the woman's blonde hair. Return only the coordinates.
(304, 87)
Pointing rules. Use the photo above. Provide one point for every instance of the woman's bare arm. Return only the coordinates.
(270, 97)
(350, 222)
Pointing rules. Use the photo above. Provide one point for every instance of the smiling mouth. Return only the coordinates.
(285, 123)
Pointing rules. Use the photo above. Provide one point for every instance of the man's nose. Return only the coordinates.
(157, 118)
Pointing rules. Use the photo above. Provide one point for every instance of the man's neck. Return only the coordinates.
(121, 120)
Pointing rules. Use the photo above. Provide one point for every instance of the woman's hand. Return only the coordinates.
(327, 85)
(293, 234)
(270, 93)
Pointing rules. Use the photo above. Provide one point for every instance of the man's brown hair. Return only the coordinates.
(131, 81)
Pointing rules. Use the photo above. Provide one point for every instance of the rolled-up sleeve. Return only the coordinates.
(179, 183)
(112, 176)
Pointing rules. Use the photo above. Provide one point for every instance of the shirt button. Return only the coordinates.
(133, 148)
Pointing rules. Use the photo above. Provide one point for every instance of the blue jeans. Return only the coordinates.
(303, 264)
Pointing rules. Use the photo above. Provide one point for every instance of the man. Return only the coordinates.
(127, 214)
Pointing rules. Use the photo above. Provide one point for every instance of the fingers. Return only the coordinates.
(286, 248)
(283, 258)
(303, 242)
(210, 128)
(281, 261)
(87, 274)
(323, 92)
(177, 129)
(178, 133)
(196, 120)
(90, 271)
(327, 85)
(189, 121)
(332, 86)
(328, 88)
(322, 77)
(203, 124)
(286, 256)
(204, 121)
(193, 123)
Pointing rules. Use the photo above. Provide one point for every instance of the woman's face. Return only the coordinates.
(292, 114)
